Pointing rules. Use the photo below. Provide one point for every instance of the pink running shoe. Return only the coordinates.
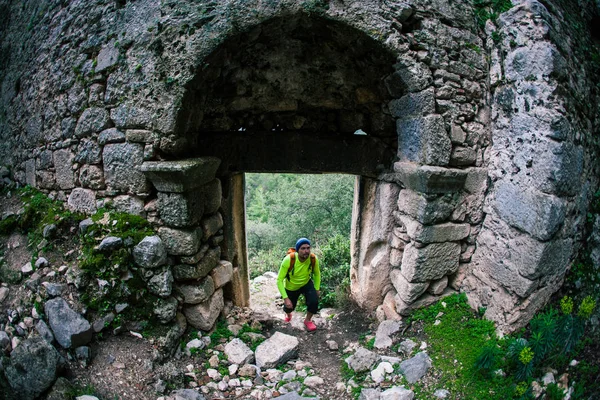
(288, 317)
(310, 326)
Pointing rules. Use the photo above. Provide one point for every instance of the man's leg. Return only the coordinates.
(312, 304)
(293, 295)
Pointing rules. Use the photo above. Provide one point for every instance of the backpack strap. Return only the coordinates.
(292, 262)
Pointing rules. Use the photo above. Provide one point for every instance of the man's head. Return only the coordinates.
(303, 248)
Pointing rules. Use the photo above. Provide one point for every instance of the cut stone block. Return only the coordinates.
(181, 209)
(222, 274)
(203, 315)
(448, 232)
(430, 179)
(180, 176)
(430, 262)
(180, 242)
(276, 350)
(425, 209)
(183, 272)
(534, 212)
(197, 293)
(408, 291)
(424, 140)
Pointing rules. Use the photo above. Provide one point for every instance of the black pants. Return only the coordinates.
(310, 295)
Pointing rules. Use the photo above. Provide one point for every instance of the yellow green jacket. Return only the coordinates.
(299, 277)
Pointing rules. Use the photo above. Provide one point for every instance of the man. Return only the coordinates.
(304, 279)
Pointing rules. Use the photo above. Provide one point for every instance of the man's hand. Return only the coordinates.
(288, 303)
(318, 293)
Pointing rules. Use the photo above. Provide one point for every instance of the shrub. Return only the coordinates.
(335, 271)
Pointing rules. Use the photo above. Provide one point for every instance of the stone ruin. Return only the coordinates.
(474, 142)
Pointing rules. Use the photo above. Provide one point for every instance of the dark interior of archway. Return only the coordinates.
(302, 83)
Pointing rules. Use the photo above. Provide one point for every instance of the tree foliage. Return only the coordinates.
(281, 208)
(293, 206)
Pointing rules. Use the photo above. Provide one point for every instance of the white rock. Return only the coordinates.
(548, 378)
(27, 268)
(213, 374)
(289, 375)
(314, 381)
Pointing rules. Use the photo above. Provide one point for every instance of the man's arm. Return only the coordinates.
(281, 276)
(317, 275)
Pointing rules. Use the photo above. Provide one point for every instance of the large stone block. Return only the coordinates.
(213, 194)
(70, 329)
(126, 116)
(181, 209)
(198, 292)
(413, 104)
(534, 212)
(211, 225)
(32, 368)
(129, 204)
(222, 273)
(494, 259)
(538, 59)
(404, 309)
(426, 209)
(210, 260)
(180, 242)
(92, 120)
(408, 292)
(430, 262)
(91, 176)
(150, 253)
(276, 350)
(430, 179)
(82, 200)
(180, 176)
(203, 315)
(161, 283)
(121, 163)
(424, 140)
(63, 163)
(107, 57)
(448, 232)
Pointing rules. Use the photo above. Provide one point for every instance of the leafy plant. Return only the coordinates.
(488, 359)
(554, 392)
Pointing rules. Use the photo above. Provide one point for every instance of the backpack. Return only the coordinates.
(292, 253)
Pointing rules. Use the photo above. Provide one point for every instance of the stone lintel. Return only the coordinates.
(182, 175)
(447, 232)
(429, 179)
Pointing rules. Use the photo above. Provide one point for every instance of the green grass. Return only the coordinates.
(454, 346)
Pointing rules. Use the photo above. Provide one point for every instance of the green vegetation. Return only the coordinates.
(454, 344)
(551, 340)
(283, 207)
(489, 9)
(116, 265)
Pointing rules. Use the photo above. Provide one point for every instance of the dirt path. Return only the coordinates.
(341, 326)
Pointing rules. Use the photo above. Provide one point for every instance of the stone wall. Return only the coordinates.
(492, 134)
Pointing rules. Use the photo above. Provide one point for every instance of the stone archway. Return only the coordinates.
(297, 94)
